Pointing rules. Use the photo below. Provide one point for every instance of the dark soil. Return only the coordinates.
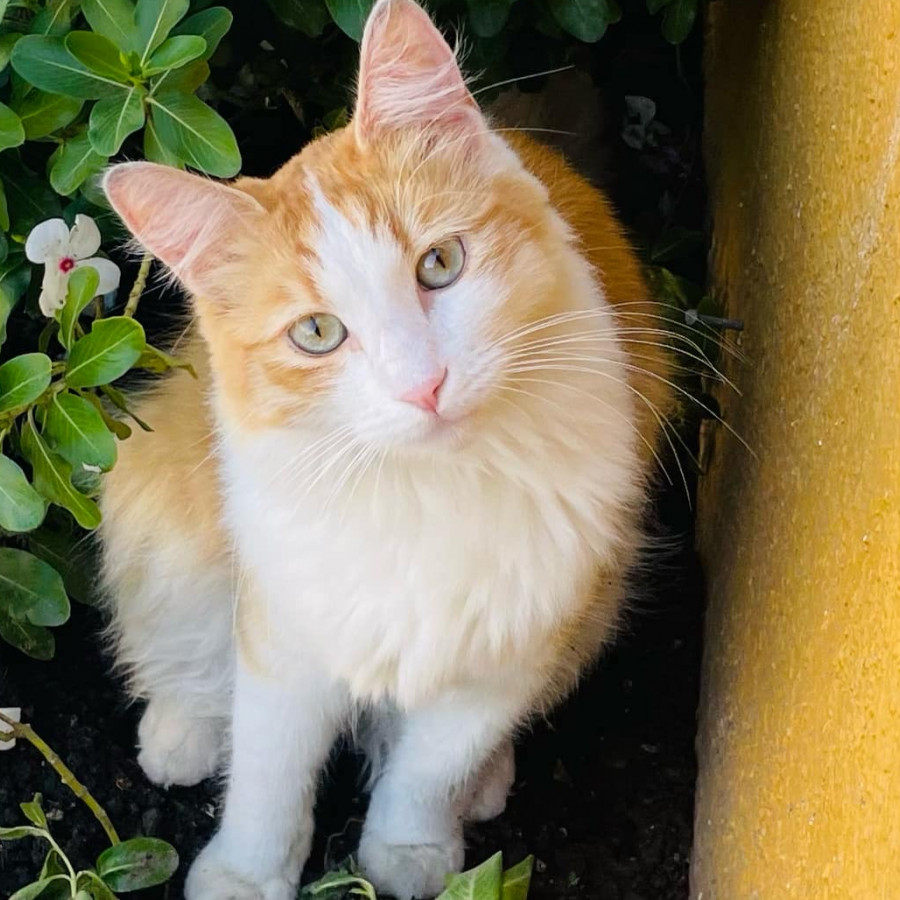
(603, 794)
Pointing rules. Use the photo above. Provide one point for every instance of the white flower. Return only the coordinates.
(61, 251)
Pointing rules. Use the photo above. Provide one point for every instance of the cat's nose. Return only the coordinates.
(425, 395)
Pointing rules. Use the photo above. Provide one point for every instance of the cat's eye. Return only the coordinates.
(440, 265)
(318, 334)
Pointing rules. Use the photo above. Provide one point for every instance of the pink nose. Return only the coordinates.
(425, 396)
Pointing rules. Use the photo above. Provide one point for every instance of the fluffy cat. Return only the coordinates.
(408, 484)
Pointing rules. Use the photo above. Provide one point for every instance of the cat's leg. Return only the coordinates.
(486, 798)
(281, 736)
(412, 837)
(172, 633)
(486, 792)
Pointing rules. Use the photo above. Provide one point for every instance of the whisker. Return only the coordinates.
(519, 78)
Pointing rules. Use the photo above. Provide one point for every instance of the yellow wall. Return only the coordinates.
(799, 792)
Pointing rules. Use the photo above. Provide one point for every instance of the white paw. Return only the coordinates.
(410, 870)
(210, 878)
(176, 747)
(492, 786)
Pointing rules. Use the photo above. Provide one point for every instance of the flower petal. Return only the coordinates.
(109, 272)
(53, 290)
(48, 241)
(84, 238)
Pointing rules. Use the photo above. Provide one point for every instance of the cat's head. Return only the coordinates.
(373, 284)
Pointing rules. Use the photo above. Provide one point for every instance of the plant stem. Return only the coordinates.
(27, 733)
(139, 284)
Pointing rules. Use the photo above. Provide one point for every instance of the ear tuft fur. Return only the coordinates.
(409, 75)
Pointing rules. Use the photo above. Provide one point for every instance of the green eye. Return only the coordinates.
(440, 265)
(318, 334)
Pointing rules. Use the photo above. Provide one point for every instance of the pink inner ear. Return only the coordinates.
(408, 74)
(179, 218)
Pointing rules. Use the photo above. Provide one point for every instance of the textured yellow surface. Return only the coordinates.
(799, 794)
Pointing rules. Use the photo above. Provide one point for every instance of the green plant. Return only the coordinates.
(79, 82)
(124, 866)
(487, 881)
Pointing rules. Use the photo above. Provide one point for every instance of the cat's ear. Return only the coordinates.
(408, 75)
(184, 220)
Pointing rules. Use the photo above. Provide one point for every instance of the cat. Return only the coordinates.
(407, 485)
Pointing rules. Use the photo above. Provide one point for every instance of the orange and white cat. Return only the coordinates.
(408, 484)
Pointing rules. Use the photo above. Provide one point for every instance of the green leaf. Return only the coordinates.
(308, 16)
(114, 19)
(481, 883)
(7, 304)
(7, 42)
(113, 119)
(108, 352)
(78, 433)
(517, 880)
(99, 54)
(20, 831)
(120, 402)
(31, 199)
(586, 20)
(55, 18)
(21, 507)
(350, 15)
(175, 52)
(211, 24)
(42, 113)
(47, 64)
(488, 16)
(4, 209)
(11, 131)
(196, 133)
(53, 865)
(32, 591)
(155, 360)
(37, 888)
(335, 882)
(53, 478)
(186, 79)
(154, 20)
(116, 426)
(654, 6)
(35, 641)
(678, 20)
(155, 150)
(71, 164)
(33, 811)
(82, 288)
(93, 887)
(23, 379)
(56, 542)
(137, 863)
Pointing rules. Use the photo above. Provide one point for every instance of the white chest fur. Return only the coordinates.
(419, 574)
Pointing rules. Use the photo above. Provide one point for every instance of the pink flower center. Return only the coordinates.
(66, 264)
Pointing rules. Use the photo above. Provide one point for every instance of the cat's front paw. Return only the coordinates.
(212, 878)
(176, 747)
(410, 870)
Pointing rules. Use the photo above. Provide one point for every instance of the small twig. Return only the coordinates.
(25, 732)
(139, 284)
